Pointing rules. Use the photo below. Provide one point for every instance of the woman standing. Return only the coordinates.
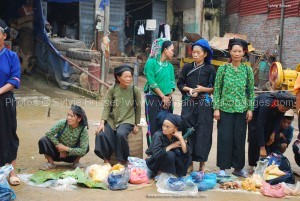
(233, 105)
(67, 140)
(9, 79)
(121, 114)
(196, 82)
(160, 83)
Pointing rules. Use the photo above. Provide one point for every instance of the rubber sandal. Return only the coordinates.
(222, 173)
(14, 180)
(47, 166)
(241, 173)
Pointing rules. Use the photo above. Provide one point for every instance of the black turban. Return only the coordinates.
(175, 119)
(78, 110)
(120, 69)
(285, 98)
(5, 28)
(237, 41)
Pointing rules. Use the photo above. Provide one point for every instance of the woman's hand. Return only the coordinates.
(199, 89)
(63, 154)
(249, 116)
(263, 152)
(166, 102)
(271, 140)
(178, 135)
(135, 129)
(61, 148)
(217, 114)
(100, 128)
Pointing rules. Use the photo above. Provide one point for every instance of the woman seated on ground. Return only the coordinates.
(121, 114)
(168, 151)
(67, 140)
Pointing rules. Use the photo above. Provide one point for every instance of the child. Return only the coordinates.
(286, 131)
(169, 152)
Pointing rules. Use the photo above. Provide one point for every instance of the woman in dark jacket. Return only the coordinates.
(196, 82)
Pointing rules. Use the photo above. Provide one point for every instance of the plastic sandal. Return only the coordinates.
(241, 173)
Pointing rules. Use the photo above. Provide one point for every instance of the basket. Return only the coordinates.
(135, 142)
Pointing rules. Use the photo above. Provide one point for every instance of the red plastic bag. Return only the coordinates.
(138, 176)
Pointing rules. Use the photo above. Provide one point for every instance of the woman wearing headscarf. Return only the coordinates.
(264, 128)
(168, 152)
(233, 106)
(196, 82)
(160, 83)
(67, 140)
(121, 114)
(9, 79)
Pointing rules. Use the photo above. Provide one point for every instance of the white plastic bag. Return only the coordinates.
(190, 189)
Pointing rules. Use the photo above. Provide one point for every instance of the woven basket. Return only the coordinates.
(135, 142)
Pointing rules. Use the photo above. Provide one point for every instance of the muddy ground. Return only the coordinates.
(37, 98)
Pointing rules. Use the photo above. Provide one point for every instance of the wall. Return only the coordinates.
(211, 27)
(262, 34)
(116, 19)
(87, 21)
(189, 20)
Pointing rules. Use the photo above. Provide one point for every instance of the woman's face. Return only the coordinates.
(168, 128)
(198, 54)
(169, 52)
(72, 119)
(237, 53)
(125, 79)
(2, 38)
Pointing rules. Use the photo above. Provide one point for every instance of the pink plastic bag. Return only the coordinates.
(275, 191)
(138, 176)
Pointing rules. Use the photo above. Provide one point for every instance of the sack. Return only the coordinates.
(284, 165)
(138, 176)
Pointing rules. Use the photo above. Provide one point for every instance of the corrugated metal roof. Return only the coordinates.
(232, 6)
(292, 9)
(253, 7)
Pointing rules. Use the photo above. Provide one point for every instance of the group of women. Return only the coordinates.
(168, 151)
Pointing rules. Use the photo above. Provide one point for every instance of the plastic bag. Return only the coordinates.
(134, 162)
(209, 182)
(118, 180)
(99, 173)
(67, 184)
(6, 193)
(138, 176)
(166, 184)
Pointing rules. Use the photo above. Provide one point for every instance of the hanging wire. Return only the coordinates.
(140, 7)
(139, 2)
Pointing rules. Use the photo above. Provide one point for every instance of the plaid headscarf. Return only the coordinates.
(156, 48)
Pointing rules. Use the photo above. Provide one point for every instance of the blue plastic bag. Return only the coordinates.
(6, 193)
(119, 181)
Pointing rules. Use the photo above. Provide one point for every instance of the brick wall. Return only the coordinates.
(262, 34)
